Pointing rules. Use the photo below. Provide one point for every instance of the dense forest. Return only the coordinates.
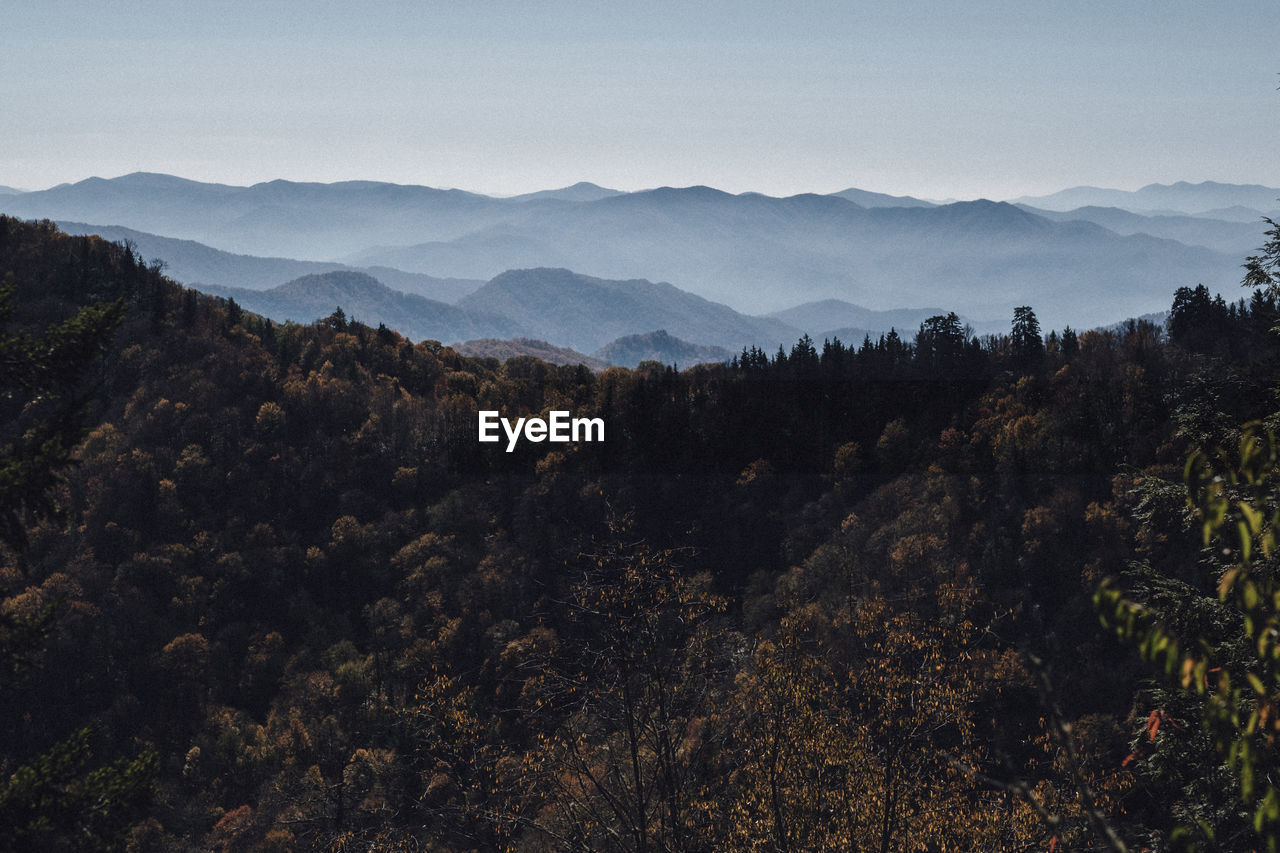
(261, 588)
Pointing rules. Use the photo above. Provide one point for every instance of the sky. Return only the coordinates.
(937, 100)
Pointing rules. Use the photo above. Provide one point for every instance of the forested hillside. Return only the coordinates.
(263, 589)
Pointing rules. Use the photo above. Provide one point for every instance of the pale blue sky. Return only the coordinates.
(960, 99)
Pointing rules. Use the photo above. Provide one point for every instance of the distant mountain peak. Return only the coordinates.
(866, 198)
(1207, 185)
(586, 313)
(508, 274)
(141, 177)
(1180, 197)
(582, 191)
(155, 179)
(585, 186)
(698, 191)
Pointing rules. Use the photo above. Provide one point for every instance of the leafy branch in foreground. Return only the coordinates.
(1235, 495)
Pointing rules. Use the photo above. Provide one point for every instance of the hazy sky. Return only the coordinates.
(941, 99)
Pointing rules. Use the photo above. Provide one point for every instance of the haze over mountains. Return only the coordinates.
(581, 191)
(760, 254)
(1233, 238)
(363, 297)
(1208, 197)
(870, 199)
(553, 305)
(835, 313)
(196, 264)
(588, 256)
(585, 313)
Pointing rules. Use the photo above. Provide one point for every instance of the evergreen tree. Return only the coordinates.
(1070, 344)
(1028, 347)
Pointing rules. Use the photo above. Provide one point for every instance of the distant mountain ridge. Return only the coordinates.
(866, 198)
(364, 298)
(197, 264)
(585, 313)
(1238, 213)
(308, 221)
(1180, 197)
(760, 254)
(558, 307)
(752, 252)
(1237, 238)
(581, 191)
(829, 316)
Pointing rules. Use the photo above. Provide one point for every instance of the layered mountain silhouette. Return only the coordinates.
(364, 298)
(760, 254)
(581, 191)
(199, 265)
(308, 221)
(870, 199)
(1236, 238)
(752, 252)
(585, 313)
(554, 306)
(286, 289)
(828, 317)
(1208, 197)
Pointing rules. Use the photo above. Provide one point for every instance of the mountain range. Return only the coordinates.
(1226, 236)
(362, 297)
(207, 268)
(866, 198)
(760, 254)
(1205, 198)
(551, 305)
(585, 313)
(581, 191)
(752, 253)
(822, 317)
